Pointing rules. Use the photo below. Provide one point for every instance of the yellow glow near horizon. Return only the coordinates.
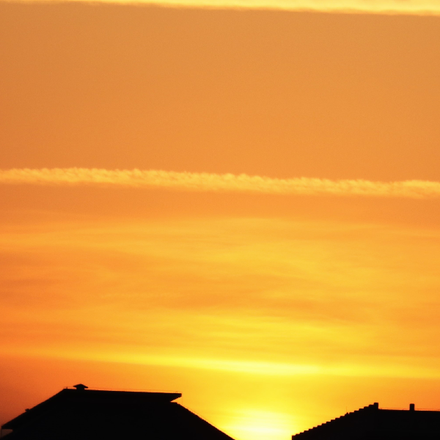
(300, 308)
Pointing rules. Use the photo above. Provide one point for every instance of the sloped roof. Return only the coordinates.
(371, 422)
(94, 414)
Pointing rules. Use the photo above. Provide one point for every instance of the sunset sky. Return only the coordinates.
(235, 200)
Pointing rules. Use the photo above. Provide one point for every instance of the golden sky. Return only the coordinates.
(239, 204)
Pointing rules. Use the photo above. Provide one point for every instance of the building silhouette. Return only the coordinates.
(80, 413)
(374, 423)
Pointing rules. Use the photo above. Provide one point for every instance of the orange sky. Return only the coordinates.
(239, 205)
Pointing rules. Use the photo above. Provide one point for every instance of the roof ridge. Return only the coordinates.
(337, 419)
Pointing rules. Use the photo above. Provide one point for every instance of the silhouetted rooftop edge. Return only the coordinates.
(374, 422)
(86, 414)
(82, 392)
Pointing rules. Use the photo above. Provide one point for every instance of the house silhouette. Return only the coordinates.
(374, 423)
(80, 413)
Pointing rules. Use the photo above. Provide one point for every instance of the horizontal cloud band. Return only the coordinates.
(416, 7)
(208, 182)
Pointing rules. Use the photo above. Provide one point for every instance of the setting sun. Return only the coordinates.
(261, 424)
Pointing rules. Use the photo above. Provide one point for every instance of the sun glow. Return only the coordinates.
(259, 424)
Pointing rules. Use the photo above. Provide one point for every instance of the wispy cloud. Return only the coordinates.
(209, 182)
(419, 7)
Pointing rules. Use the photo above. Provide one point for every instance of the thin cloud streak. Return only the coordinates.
(413, 7)
(225, 183)
(417, 7)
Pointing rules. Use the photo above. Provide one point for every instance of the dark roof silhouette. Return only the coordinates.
(85, 414)
(371, 422)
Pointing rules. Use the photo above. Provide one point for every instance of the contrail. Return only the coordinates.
(414, 7)
(225, 183)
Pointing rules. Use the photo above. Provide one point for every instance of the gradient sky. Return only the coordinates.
(241, 205)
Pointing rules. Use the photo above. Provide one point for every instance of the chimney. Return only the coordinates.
(80, 387)
(412, 407)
